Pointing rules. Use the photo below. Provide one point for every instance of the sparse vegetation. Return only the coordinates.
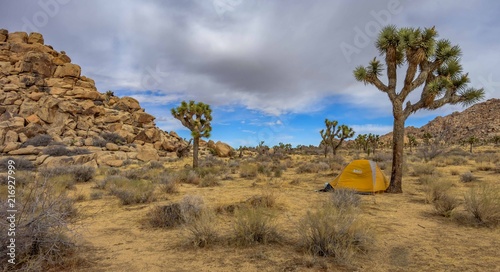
(254, 226)
(42, 236)
(329, 231)
(467, 177)
(61, 150)
(483, 203)
(39, 140)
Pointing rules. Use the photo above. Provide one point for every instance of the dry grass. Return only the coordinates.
(330, 231)
(409, 235)
(254, 226)
(484, 204)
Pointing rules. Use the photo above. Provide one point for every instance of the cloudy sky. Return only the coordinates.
(271, 70)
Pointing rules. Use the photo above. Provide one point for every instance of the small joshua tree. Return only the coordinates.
(196, 117)
(333, 132)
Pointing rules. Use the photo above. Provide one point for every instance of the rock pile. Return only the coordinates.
(42, 92)
(481, 120)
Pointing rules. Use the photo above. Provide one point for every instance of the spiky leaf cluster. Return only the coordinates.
(196, 117)
(431, 64)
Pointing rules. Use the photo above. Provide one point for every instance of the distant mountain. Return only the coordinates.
(481, 120)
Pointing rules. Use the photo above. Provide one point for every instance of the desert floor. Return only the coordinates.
(407, 233)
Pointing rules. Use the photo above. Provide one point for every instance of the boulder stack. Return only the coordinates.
(42, 92)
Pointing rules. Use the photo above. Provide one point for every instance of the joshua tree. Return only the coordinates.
(412, 141)
(332, 132)
(373, 142)
(471, 141)
(432, 65)
(196, 117)
(361, 142)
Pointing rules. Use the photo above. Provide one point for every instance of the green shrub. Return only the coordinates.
(254, 226)
(484, 204)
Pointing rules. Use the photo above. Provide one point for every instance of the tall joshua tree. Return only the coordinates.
(196, 117)
(332, 132)
(432, 66)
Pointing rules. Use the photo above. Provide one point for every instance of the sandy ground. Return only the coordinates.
(408, 235)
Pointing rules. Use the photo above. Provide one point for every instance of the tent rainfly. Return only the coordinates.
(363, 176)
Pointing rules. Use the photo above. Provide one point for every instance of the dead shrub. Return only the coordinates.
(209, 180)
(132, 191)
(467, 177)
(344, 199)
(484, 204)
(329, 231)
(436, 189)
(166, 216)
(79, 173)
(254, 226)
(267, 200)
(202, 231)
(38, 140)
(61, 150)
(445, 204)
(20, 164)
(43, 238)
(168, 183)
(311, 167)
(423, 169)
(188, 210)
(191, 207)
(248, 170)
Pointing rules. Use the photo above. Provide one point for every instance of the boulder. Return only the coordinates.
(29, 150)
(147, 154)
(17, 37)
(142, 117)
(11, 146)
(10, 137)
(3, 35)
(68, 70)
(35, 37)
(112, 147)
(114, 163)
(223, 149)
(37, 62)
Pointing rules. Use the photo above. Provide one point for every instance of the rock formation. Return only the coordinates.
(42, 92)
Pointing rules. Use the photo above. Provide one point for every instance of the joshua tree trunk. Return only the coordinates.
(196, 144)
(397, 152)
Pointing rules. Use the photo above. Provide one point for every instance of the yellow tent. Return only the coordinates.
(363, 176)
